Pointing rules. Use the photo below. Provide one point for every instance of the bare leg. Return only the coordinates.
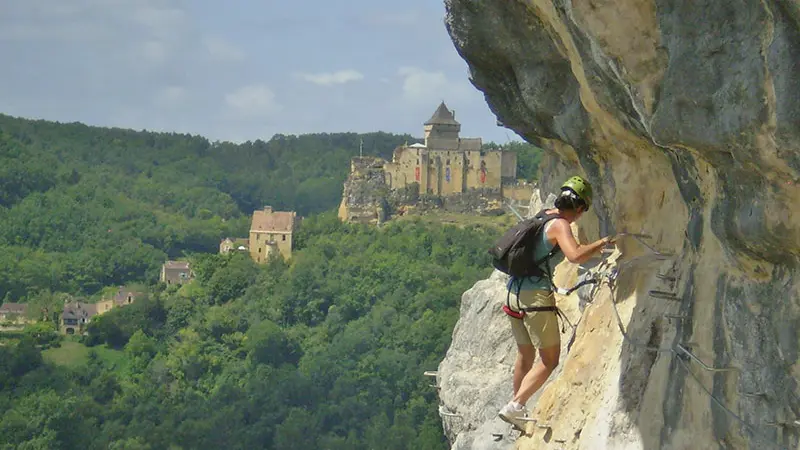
(526, 354)
(538, 374)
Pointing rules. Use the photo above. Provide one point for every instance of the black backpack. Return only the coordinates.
(512, 254)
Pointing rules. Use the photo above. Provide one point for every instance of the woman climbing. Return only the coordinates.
(534, 323)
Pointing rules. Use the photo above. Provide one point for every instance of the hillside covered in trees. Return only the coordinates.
(85, 207)
(326, 350)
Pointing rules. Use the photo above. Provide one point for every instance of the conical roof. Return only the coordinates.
(442, 116)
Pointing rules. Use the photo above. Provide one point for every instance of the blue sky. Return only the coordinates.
(237, 70)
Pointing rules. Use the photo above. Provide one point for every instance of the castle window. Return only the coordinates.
(448, 161)
(284, 237)
(417, 161)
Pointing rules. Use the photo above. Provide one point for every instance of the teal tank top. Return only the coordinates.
(536, 283)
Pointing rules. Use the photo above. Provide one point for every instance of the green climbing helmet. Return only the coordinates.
(581, 188)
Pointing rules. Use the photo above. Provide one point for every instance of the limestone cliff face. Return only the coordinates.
(685, 116)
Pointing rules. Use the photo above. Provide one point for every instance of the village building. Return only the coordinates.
(175, 272)
(15, 313)
(234, 244)
(76, 315)
(271, 232)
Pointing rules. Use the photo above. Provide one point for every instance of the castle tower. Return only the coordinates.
(441, 130)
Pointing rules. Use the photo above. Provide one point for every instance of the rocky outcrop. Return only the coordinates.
(685, 116)
(364, 198)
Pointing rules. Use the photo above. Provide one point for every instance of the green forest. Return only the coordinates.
(325, 350)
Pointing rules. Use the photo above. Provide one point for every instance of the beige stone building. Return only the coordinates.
(271, 232)
(175, 272)
(233, 244)
(16, 313)
(448, 164)
(77, 315)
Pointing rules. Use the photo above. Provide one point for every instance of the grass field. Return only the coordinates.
(75, 354)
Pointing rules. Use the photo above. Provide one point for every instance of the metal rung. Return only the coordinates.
(704, 365)
(663, 295)
(434, 386)
(448, 414)
(676, 316)
(635, 235)
(794, 423)
(754, 394)
(497, 437)
(665, 277)
(430, 373)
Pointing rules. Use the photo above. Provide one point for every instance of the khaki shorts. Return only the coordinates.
(538, 328)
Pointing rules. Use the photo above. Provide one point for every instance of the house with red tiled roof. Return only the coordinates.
(270, 233)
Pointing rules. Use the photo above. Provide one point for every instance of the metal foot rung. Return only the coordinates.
(663, 295)
(676, 316)
(754, 394)
(448, 414)
(702, 364)
(794, 423)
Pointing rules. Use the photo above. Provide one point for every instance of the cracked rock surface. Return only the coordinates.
(685, 116)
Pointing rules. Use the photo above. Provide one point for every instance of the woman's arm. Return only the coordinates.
(574, 252)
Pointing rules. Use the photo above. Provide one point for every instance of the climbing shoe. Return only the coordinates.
(514, 416)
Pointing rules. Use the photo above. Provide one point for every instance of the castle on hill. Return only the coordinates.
(456, 171)
(447, 163)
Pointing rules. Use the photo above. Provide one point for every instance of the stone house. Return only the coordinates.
(125, 296)
(175, 272)
(77, 315)
(271, 232)
(230, 244)
(16, 313)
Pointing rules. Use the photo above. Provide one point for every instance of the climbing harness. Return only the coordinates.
(521, 311)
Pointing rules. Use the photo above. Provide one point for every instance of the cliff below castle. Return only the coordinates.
(685, 116)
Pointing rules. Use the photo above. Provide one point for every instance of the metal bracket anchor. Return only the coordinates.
(705, 366)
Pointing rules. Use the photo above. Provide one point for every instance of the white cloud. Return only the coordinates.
(422, 86)
(170, 96)
(221, 50)
(331, 78)
(252, 102)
